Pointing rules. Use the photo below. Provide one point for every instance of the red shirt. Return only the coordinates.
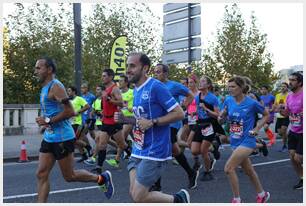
(108, 108)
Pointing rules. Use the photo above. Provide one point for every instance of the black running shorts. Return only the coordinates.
(295, 142)
(281, 122)
(111, 129)
(59, 149)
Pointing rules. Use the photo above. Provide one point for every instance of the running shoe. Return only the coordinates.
(264, 148)
(263, 199)
(107, 187)
(193, 180)
(90, 161)
(236, 201)
(212, 164)
(207, 176)
(254, 154)
(113, 163)
(299, 185)
(183, 195)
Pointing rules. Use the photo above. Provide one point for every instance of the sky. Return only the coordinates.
(282, 22)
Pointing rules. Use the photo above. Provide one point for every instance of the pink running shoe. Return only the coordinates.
(264, 198)
(235, 201)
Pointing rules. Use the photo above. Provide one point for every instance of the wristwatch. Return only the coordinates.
(155, 122)
(47, 120)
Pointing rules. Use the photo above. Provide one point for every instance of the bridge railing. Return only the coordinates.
(19, 119)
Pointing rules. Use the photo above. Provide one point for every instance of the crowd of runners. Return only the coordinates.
(151, 120)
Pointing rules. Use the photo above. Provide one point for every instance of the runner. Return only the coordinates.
(241, 110)
(79, 105)
(204, 133)
(154, 109)
(86, 120)
(268, 100)
(58, 136)
(127, 110)
(191, 119)
(97, 112)
(176, 90)
(111, 100)
(281, 121)
(294, 109)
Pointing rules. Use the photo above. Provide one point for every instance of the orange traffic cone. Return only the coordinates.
(23, 153)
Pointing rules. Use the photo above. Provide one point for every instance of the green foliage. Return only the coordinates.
(239, 50)
(38, 30)
(108, 22)
(33, 34)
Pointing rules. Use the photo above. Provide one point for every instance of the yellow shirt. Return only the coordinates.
(280, 98)
(77, 103)
(127, 98)
(97, 107)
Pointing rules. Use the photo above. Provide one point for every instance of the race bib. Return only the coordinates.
(296, 119)
(192, 119)
(236, 130)
(207, 131)
(138, 138)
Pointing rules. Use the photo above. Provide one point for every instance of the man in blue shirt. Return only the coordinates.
(86, 119)
(176, 90)
(268, 101)
(58, 135)
(154, 109)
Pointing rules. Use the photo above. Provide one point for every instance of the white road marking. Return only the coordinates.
(93, 187)
(271, 162)
(52, 192)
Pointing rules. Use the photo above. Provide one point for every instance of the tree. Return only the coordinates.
(110, 21)
(33, 34)
(38, 30)
(239, 50)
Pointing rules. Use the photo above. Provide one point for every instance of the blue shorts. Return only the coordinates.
(249, 142)
(147, 171)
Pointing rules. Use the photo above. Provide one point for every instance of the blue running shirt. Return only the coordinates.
(152, 100)
(210, 99)
(176, 90)
(268, 100)
(241, 119)
(59, 131)
(90, 98)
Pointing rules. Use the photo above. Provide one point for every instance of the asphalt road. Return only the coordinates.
(275, 171)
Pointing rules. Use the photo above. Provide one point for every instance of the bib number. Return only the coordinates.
(138, 138)
(236, 130)
(207, 131)
(296, 120)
